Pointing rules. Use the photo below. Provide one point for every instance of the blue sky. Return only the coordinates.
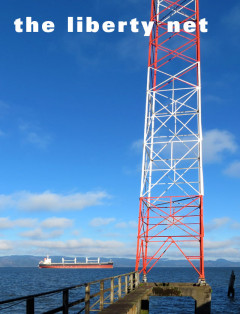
(71, 120)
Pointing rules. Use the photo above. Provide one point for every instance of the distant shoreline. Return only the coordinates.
(32, 261)
(131, 267)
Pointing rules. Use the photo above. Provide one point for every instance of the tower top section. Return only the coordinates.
(172, 155)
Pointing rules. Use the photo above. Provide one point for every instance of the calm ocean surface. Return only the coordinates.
(17, 282)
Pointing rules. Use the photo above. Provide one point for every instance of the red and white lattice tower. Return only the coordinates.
(171, 199)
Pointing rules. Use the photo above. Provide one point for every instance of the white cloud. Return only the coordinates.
(128, 224)
(228, 248)
(111, 235)
(49, 223)
(56, 222)
(222, 222)
(233, 170)
(121, 225)
(235, 225)
(5, 201)
(229, 253)
(34, 135)
(80, 247)
(217, 223)
(6, 223)
(40, 234)
(41, 141)
(5, 245)
(133, 224)
(49, 201)
(26, 222)
(216, 143)
(216, 244)
(98, 221)
(137, 146)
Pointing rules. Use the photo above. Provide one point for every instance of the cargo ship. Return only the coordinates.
(89, 264)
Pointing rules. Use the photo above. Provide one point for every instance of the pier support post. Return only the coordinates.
(203, 305)
(144, 306)
(30, 306)
(87, 298)
(119, 287)
(112, 291)
(65, 301)
(101, 294)
(202, 297)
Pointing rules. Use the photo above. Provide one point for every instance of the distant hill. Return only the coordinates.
(32, 261)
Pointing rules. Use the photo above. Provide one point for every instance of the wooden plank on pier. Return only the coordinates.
(131, 302)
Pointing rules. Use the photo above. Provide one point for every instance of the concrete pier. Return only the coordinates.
(137, 302)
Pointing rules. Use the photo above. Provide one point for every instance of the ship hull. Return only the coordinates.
(82, 266)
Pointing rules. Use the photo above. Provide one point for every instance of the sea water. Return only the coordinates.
(21, 281)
